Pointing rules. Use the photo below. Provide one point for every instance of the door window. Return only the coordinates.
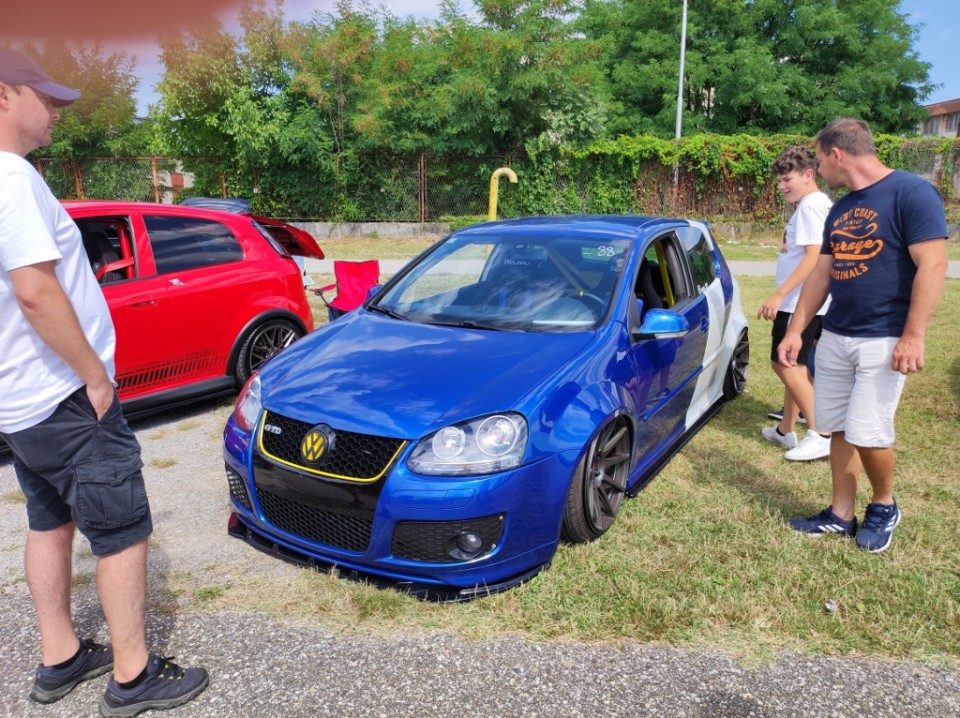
(182, 243)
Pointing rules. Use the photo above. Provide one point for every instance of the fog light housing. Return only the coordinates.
(464, 546)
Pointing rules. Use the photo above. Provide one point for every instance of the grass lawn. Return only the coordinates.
(703, 556)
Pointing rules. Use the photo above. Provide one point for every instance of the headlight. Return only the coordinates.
(247, 409)
(481, 446)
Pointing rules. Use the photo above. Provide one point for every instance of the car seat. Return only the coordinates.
(354, 281)
(101, 252)
(645, 288)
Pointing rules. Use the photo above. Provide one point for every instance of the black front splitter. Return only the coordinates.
(423, 591)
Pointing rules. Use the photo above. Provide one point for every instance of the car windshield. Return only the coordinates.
(510, 284)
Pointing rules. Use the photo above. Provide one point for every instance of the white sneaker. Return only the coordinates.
(812, 447)
(787, 441)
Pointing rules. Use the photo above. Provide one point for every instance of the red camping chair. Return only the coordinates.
(354, 280)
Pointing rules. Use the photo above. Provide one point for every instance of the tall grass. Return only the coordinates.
(703, 556)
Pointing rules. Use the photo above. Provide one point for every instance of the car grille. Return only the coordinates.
(238, 490)
(353, 457)
(338, 514)
(350, 533)
(435, 541)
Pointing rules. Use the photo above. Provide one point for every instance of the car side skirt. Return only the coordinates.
(182, 396)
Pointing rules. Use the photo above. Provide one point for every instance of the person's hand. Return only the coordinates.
(769, 309)
(101, 396)
(789, 348)
(908, 355)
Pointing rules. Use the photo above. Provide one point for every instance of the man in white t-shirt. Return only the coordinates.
(795, 169)
(76, 459)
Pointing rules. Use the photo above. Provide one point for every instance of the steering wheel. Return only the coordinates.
(599, 304)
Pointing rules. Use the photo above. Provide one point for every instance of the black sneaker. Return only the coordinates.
(826, 522)
(777, 414)
(167, 685)
(52, 684)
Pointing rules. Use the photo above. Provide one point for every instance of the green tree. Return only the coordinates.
(761, 66)
(523, 71)
(102, 122)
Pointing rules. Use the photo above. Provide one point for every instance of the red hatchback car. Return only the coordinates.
(200, 298)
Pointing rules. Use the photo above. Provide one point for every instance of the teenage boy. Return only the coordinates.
(795, 170)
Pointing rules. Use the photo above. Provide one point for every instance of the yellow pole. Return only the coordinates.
(495, 188)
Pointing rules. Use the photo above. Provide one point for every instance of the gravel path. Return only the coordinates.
(268, 668)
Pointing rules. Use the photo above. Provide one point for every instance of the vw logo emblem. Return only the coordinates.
(316, 443)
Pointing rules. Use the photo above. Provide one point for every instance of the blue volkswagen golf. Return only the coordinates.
(503, 392)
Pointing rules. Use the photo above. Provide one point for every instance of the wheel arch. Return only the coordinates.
(251, 326)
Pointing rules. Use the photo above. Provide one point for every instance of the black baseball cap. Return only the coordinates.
(18, 69)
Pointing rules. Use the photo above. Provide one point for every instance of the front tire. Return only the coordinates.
(263, 341)
(598, 486)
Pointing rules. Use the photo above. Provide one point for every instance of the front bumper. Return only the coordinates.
(442, 538)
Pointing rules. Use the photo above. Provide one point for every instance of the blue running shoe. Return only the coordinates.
(52, 684)
(826, 522)
(876, 531)
(166, 685)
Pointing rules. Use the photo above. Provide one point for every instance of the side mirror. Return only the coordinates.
(661, 324)
(372, 292)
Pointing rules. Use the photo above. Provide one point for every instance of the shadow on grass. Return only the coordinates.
(746, 463)
(954, 379)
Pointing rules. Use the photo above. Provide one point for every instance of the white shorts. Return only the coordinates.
(856, 391)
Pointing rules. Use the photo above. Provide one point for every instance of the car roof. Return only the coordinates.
(226, 204)
(626, 226)
(109, 206)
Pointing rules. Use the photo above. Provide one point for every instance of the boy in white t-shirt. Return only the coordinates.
(795, 169)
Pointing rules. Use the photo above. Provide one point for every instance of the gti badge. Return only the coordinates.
(316, 443)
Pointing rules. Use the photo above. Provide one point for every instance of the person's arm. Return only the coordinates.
(769, 309)
(816, 287)
(931, 260)
(50, 312)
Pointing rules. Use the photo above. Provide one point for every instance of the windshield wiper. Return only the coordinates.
(470, 324)
(388, 312)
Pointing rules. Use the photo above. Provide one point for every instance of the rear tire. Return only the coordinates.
(736, 379)
(263, 341)
(598, 486)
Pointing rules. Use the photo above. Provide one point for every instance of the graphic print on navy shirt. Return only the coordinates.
(869, 232)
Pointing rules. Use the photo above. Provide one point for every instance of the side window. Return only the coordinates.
(662, 279)
(702, 265)
(181, 243)
(107, 242)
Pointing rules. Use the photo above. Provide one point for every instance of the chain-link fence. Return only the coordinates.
(421, 188)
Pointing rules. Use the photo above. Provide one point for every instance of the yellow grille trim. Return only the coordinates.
(316, 472)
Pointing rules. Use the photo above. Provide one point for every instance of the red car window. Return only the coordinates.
(181, 243)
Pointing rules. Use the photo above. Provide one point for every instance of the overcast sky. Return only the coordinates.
(937, 43)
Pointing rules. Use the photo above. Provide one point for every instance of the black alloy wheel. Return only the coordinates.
(736, 379)
(598, 486)
(263, 342)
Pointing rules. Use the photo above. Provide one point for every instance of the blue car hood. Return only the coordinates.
(375, 375)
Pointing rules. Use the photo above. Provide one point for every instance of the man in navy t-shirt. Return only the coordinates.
(883, 262)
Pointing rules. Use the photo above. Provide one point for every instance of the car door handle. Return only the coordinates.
(704, 324)
(144, 300)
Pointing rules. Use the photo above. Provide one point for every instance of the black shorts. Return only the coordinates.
(72, 467)
(809, 336)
